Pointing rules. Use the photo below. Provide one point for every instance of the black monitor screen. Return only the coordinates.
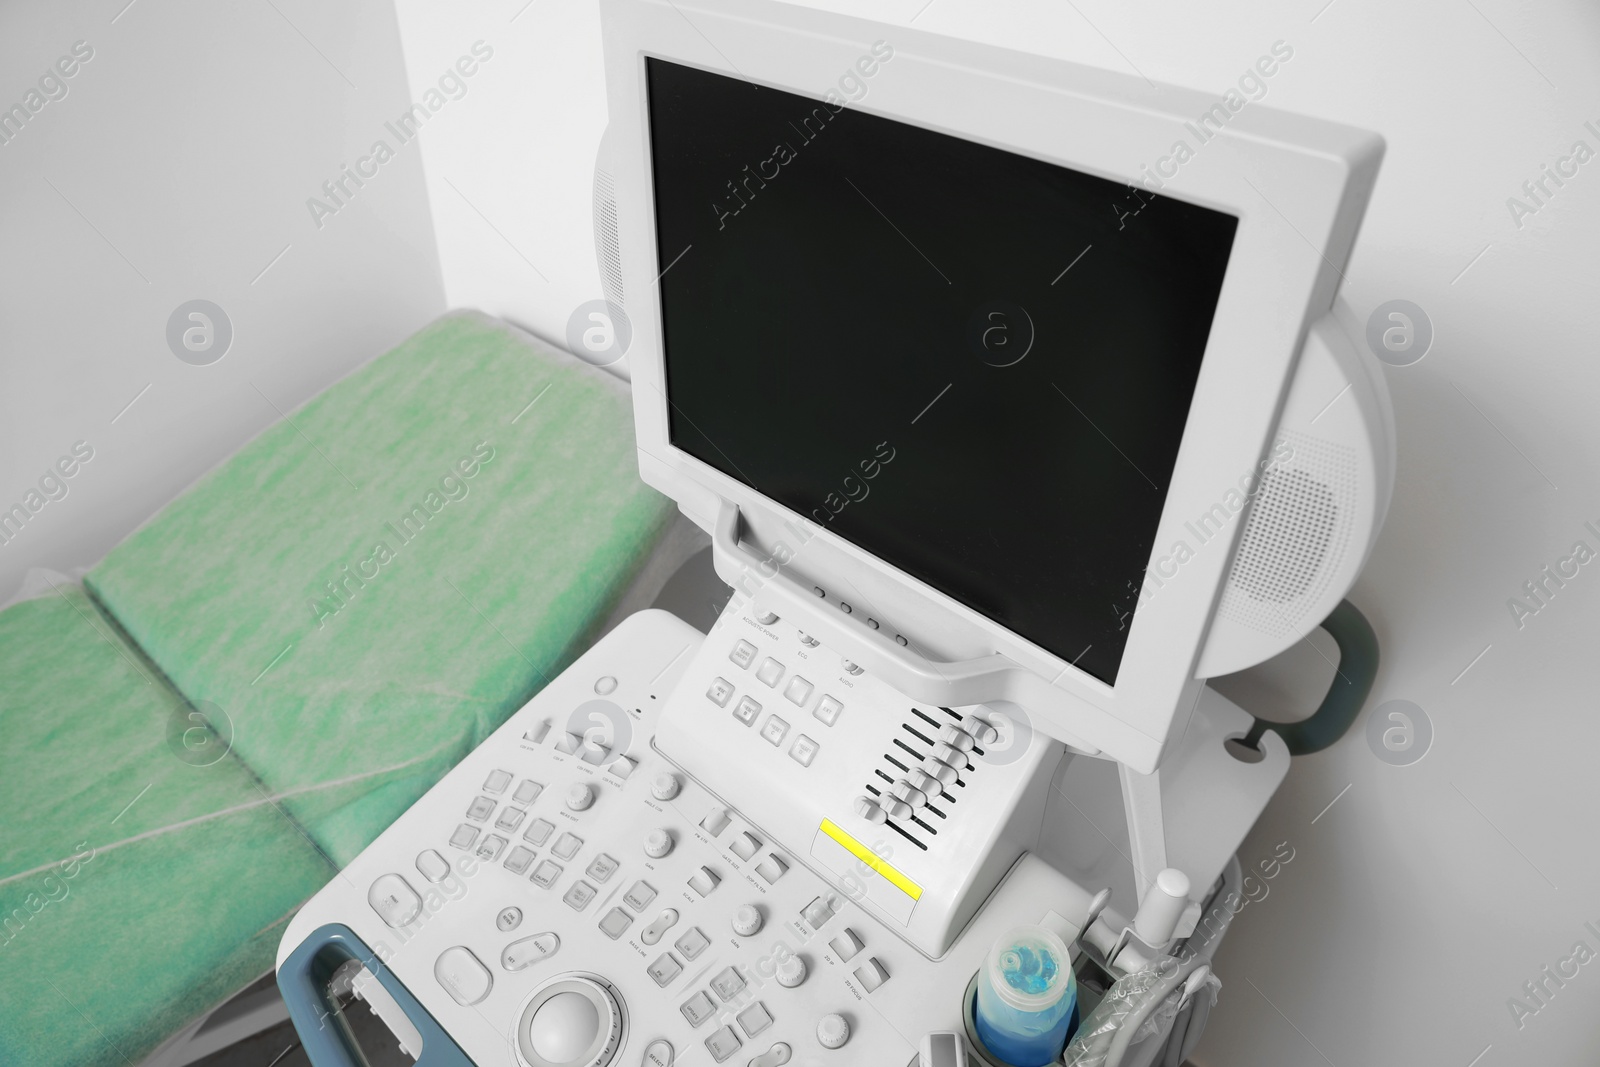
(972, 364)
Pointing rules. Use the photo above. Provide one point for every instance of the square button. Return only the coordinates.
(747, 709)
(664, 970)
(723, 1043)
(727, 983)
(489, 848)
(721, 692)
(774, 729)
(510, 819)
(698, 1008)
(692, 943)
(804, 750)
(615, 922)
(496, 782)
(639, 896)
(538, 832)
(464, 836)
(744, 654)
(798, 691)
(579, 895)
(520, 859)
(828, 710)
(567, 846)
(754, 1019)
(546, 873)
(527, 791)
(771, 869)
(771, 671)
(480, 809)
(602, 868)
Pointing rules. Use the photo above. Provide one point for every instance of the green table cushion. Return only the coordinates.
(145, 874)
(376, 582)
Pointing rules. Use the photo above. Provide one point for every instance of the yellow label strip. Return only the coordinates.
(873, 860)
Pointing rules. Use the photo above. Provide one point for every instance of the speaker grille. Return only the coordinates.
(1297, 531)
(607, 246)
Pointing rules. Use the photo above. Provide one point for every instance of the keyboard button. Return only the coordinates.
(538, 832)
(771, 869)
(804, 750)
(663, 922)
(872, 974)
(704, 881)
(602, 868)
(510, 819)
(798, 691)
(577, 898)
(527, 791)
(727, 984)
(743, 654)
(828, 710)
(489, 848)
(698, 1008)
(567, 846)
(639, 896)
(722, 1044)
(715, 822)
(434, 867)
(817, 913)
(615, 923)
(770, 673)
(519, 859)
(745, 845)
(747, 709)
(664, 970)
(496, 782)
(622, 767)
(508, 920)
(721, 692)
(546, 873)
(392, 897)
(462, 976)
(754, 1019)
(480, 809)
(774, 730)
(692, 943)
(464, 836)
(528, 951)
(846, 945)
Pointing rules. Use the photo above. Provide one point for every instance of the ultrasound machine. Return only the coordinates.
(1011, 424)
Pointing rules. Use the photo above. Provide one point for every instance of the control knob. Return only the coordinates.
(665, 786)
(580, 797)
(832, 1031)
(657, 843)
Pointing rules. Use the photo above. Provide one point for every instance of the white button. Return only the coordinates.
(803, 751)
(869, 810)
(872, 974)
(897, 809)
(527, 791)
(925, 782)
(956, 737)
(850, 667)
(489, 848)
(792, 971)
(832, 1031)
(580, 796)
(722, 1043)
(727, 983)
(698, 1008)
(569, 743)
(767, 618)
(567, 846)
(747, 920)
(510, 818)
(508, 919)
(528, 951)
(904, 790)
(747, 709)
(806, 639)
(776, 1056)
(715, 822)
(720, 692)
(464, 836)
(519, 859)
(657, 1054)
(621, 768)
(538, 732)
(950, 756)
(538, 832)
(704, 881)
(578, 896)
(692, 943)
(745, 844)
(846, 945)
(601, 868)
(743, 654)
(771, 671)
(657, 843)
(639, 896)
(817, 913)
(480, 809)
(545, 874)
(774, 729)
(798, 691)
(392, 897)
(496, 782)
(665, 786)
(980, 729)
(828, 710)
(771, 869)
(663, 922)
(615, 923)
(945, 773)
(462, 976)
(755, 1018)
(664, 969)
(434, 867)
(563, 1027)
(605, 686)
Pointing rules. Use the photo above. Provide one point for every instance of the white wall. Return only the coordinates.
(1428, 894)
(177, 167)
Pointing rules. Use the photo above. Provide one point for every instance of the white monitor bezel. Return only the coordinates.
(1299, 187)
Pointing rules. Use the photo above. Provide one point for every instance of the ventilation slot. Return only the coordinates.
(607, 245)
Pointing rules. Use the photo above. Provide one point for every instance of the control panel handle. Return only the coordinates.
(303, 980)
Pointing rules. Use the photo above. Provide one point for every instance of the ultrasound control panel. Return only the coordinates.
(567, 896)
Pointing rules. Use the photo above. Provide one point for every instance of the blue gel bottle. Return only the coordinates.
(1026, 993)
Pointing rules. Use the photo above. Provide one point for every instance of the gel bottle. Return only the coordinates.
(1026, 993)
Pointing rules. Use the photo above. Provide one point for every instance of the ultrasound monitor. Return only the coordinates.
(940, 361)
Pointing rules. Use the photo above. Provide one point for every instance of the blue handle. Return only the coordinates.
(303, 980)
